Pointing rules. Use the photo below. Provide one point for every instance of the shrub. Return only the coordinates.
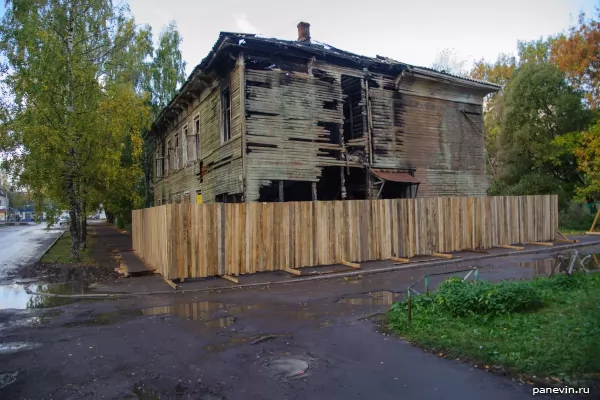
(576, 217)
(462, 298)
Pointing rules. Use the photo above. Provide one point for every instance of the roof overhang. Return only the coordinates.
(395, 176)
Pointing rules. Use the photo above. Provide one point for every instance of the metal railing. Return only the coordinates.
(472, 270)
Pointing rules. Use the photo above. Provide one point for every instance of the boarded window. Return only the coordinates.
(225, 114)
(191, 146)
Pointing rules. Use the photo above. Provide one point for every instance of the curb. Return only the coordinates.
(39, 258)
(331, 276)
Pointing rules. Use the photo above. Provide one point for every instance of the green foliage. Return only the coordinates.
(461, 298)
(560, 339)
(539, 108)
(60, 253)
(576, 217)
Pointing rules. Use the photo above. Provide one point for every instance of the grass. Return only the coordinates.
(558, 337)
(60, 253)
(573, 232)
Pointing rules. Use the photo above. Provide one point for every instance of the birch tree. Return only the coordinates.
(73, 100)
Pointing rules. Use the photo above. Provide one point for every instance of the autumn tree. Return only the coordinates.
(74, 103)
(577, 53)
(539, 107)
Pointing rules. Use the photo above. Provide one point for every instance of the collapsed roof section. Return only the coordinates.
(230, 43)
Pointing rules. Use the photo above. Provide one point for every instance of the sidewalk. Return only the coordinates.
(115, 240)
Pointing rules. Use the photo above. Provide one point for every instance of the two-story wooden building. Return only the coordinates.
(263, 119)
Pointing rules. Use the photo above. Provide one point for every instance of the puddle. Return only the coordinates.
(15, 295)
(13, 347)
(543, 266)
(105, 319)
(222, 322)
(286, 368)
(29, 322)
(8, 378)
(199, 311)
(378, 298)
(233, 341)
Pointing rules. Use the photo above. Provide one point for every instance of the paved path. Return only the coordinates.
(21, 245)
(207, 346)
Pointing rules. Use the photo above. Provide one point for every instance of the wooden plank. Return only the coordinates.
(292, 271)
(541, 243)
(230, 278)
(400, 259)
(169, 282)
(442, 255)
(508, 246)
(592, 233)
(350, 264)
(595, 220)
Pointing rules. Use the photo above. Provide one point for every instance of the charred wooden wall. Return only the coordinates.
(293, 123)
(435, 128)
(222, 162)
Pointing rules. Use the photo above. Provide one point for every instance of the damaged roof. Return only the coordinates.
(311, 48)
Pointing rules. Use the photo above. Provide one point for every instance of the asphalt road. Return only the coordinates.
(21, 245)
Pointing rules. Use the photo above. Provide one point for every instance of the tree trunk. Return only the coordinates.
(74, 214)
(83, 226)
(147, 173)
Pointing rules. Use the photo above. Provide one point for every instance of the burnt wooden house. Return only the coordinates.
(262, 119)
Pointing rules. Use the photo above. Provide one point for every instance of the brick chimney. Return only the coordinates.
(304, 32)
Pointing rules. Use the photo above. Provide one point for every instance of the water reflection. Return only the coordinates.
(378, 298)
(16, 296)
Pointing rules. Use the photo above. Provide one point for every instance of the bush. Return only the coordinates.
(576, 217)
(462, 298)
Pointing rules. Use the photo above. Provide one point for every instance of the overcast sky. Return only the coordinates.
(409, 31)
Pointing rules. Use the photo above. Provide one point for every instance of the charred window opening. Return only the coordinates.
(329, 186)
(292, 191)
(259, 84)
(330, 105)
(334, 133)
(373, 84)
(397, 190)
(323, 76)
(228, 198)
(356, 184)
(354, 110)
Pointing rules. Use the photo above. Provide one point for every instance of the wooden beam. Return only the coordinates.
(595, 220)
(349, 264)
(566, 240)
(230, 278)
(541, 243)
(400, 259)
(170, 283)
(596, 259)
(314, 191)
(443, 255)
(508, 246)
(592, 233)
(293, 271)
(281, 199)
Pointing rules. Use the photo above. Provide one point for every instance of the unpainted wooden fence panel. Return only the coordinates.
(195, 241)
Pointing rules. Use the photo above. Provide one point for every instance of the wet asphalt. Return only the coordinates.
(21, 245)
(310, 340)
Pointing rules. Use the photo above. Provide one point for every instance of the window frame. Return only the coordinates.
(196, 128)
(177, 152)
(225, 112)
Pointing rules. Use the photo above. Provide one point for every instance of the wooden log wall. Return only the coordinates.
(194, 241)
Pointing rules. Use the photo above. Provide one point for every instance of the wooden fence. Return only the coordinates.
(193, 241)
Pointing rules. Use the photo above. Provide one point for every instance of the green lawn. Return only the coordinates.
(548, 327)
(60, 253)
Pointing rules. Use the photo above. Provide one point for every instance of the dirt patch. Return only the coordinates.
(72, 272)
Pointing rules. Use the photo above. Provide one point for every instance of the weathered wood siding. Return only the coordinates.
(190, 241)
(222, 161)
(434, 127)
(288, 127)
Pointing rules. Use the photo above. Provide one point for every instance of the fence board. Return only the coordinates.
(195, 241)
